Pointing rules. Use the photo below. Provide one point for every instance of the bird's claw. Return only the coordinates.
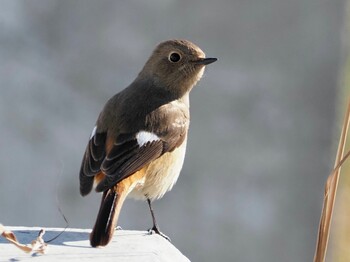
(154, 230)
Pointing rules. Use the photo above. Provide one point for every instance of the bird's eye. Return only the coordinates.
(174, 57)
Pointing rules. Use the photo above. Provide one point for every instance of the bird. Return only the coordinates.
(137, 147)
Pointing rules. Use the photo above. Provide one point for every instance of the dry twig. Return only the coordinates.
(36, 246)
(330, 194)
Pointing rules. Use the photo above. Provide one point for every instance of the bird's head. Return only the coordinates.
(176, 64)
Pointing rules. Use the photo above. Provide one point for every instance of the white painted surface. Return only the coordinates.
(73, 245)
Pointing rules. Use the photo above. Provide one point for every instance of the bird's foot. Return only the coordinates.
(155, 230)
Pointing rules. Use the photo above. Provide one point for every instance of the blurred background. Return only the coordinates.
(264, 119)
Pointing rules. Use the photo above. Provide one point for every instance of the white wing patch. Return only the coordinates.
(143, 137)
(93, 133)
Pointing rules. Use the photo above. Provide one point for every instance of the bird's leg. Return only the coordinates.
(155, 227)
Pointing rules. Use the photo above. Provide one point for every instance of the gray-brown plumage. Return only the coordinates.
(138, 145)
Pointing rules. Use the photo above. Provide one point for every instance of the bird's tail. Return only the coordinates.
(111, 203)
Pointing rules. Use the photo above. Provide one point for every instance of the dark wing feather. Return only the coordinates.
(125, 159)
(144, 155)
(92, 160)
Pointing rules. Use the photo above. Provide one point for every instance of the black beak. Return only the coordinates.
(205, 61)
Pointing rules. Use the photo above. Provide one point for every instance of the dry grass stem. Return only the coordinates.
(330, 193)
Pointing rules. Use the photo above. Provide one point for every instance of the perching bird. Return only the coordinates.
(138, 144)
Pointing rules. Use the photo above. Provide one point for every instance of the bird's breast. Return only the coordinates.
(161, 175)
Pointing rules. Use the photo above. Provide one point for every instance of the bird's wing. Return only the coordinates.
(126, 156)
(130, 152)
(94, 155)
